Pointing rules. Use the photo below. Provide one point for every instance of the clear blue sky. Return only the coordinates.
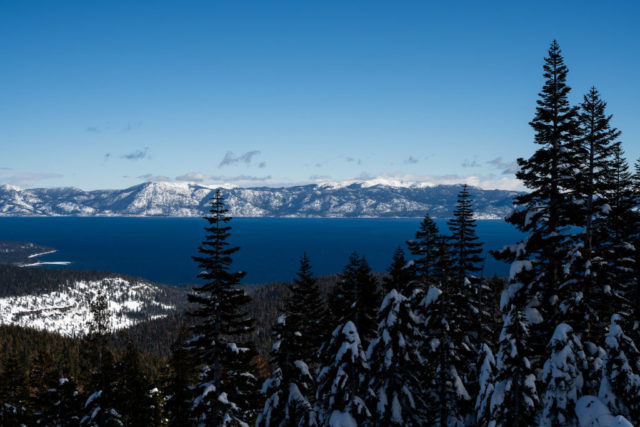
(107, 94)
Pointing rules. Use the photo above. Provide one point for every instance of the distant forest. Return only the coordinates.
(429, 342)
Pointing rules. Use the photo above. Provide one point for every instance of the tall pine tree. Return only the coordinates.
(227, 389)
(546, 212)
(424, 248)
(465, 247)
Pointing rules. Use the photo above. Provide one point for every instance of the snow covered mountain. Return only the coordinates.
(184, 199)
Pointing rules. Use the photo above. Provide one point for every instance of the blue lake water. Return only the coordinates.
(160, 249)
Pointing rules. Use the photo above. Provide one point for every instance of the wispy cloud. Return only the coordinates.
(26, 179)
(230, 158)
(473, 163)
(136, 155)
(108, 127)
(411, 161)
(508, 168)
(202, 177)
(154, 178)
(348, 159)
(319, 177)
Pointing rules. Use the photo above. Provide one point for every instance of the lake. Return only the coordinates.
(160, 249)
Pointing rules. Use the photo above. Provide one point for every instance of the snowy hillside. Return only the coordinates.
(66, 310)
(184, 199)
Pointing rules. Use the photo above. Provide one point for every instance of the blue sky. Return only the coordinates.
(108, 94)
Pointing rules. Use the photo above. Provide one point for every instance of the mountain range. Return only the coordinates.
(315, 200)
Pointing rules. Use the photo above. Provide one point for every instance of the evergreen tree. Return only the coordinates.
(562, 374)
(356, 297)
(424, 249)
(400, 273)
(617, 232)
(445, 346)
(100, 406)
(342, 379)
(469, 290)
(546, 212)
(465, 247)
(395, 361)
(298, 333)
(290, 384)
(514, 399)
(587, 300)
(620, 386)
(598, 142)
(227, 390)
(307, 311)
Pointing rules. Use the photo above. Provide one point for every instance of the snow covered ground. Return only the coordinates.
(67, 310)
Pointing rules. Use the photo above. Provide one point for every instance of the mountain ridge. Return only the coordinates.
(168, 199)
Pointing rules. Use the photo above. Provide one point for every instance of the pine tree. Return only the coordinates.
(342, 379)
(514, 400)
(598, 142)
(547, 211)
(617, 232)
(395, 360)
(464, 243)
(424, 249)
(445, 346)
(288, 388)
(469, 289)
(306, 307)
(227, 389)
(587, 299)
(620, 386)
(562, 374)
(356, 297)
(400, 273)
(100, 406)
(298, 331)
